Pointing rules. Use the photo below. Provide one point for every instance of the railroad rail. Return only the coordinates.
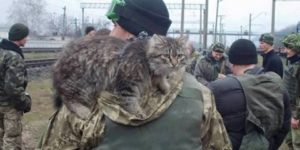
(41, 49)
(39, 62)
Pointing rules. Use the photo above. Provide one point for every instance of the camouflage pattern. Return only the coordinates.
(292, 41)
(291, 83)
(13, 78)
(13, 81)
(267, 38)
(293, 139)
(218, 47)
(207, 68)
(67, 131)
(10, 128)
(214, 134)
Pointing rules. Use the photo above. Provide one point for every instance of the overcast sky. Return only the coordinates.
(236, 12)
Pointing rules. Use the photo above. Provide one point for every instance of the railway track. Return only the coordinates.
(39, 62)
(41, 49)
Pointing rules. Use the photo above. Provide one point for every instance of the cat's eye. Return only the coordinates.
(180, 56)
(164, 55)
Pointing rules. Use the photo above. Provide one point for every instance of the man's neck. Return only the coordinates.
(268, 50)
(17, 43)
(240, 69)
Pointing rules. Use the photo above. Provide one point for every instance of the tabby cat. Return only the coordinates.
(87, 67)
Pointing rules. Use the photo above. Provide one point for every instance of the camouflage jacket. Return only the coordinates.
(291, 81)
(67, 131)
(207, 68)
(13, 78)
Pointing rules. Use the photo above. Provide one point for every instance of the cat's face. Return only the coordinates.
(166, 54)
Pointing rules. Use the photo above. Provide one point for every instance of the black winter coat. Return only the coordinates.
(272, 62)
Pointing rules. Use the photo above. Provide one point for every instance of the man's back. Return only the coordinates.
(231, 104)
(237, 95)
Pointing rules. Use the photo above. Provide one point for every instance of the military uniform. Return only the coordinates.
(291, 82)
(13, 81)
(12, 97)
(207, 68)
(184, 118)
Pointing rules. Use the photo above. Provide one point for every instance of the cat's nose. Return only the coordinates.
(174, 62)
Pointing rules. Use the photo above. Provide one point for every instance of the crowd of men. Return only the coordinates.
(222, 102)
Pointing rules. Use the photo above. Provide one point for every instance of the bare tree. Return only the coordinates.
(30, 12)
(101, 23)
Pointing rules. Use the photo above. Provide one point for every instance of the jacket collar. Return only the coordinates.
(294, 59)
(9, 45)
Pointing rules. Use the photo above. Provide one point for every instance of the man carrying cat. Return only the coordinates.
(171, 126)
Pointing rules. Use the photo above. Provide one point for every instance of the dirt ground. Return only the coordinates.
(35, 122)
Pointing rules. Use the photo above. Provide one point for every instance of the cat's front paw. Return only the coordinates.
(164, 88)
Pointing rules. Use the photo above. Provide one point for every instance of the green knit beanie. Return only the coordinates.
(17, 32)
(267, 38)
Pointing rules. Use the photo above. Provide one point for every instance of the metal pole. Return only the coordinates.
(298, 27)
(241, 32)
(64, 24)
(250, 24)
(182, 18)
(216, 26)
(200, 28)
(220, 32)
(82, 22)
(205, 25)
(273, 17)
(75, 25)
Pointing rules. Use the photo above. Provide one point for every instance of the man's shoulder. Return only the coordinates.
(204, 59)
(274, 57)
(295, 68)
(224, 84)
(9, 54)
(267, 80)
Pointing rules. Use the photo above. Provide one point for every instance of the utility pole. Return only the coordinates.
(273, 17)
(216, 26)
(64, 24)
(250, 24)
(200, 28)
(241, 32)
(205, 25)
(182, 18)
(298, 27)
(82, 22)
(220, 35)
(75, 22)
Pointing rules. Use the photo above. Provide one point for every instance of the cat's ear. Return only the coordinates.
(156, 39)
(156, 36)
(183, 39)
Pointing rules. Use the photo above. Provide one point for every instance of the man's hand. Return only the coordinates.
(221, 76)
(294, 123)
